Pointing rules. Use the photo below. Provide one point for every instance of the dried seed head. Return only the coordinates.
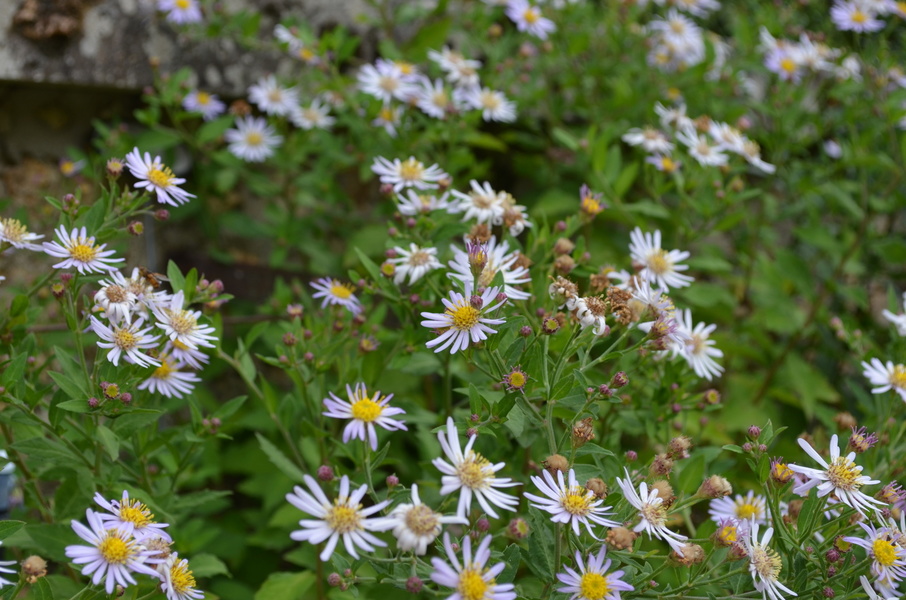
(597, 487)
(620, 538)
(715, 487)
(556, 462)
(661, 466)
(665, 491)
(693, 554)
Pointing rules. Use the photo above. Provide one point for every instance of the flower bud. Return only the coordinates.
(475, 301)
(392, 480)
(780, 472)
(525, 331)
(563, 246)
(662, 466)
(135, 228)
(414, 585)
(114, 168)
(632, 456)
(754, 432)
(289, 339)
(126, 398)
(34, 567)
(501, 297)
(334, 580)
(518, 528)
(325, 473)
(93, 402)
(478, 258)
(620, 379)
(715, 487)
(482, 524)
(294, 310)
(564, 264)
(162, 214)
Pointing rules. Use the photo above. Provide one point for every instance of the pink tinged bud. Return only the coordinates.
(325, 473)
(501, 297)
(392, 480)
(476, 301)
(754, 432)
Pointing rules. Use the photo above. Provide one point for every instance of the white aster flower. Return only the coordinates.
(272, 98)
(482, 204)
(450, 60)
(472, 474)
(659, 266)
(343, 518)
(493, 105)
(463, 321)
(697, 347)
(471, 579)
(702, 150)
(515, 217)
(593, 582)
(364, 413)
(208, 105)
(841, 476)
(385, 80)
(416, 525)
(112, 556)
(433, 98)
(650, 139)
(873, 595)
(765, 564)
(253, 140)
(14, 233)
(131, 517)
(181, 324)
(499, 260)
(740, 509)
(181, 12)
(415, 263)
(786, 62)
(663, 163)
(169, 379)
(407, 173)
(591, 312)
(178, 582)
(727, 136)
(194, 357)
(752, 153)
(673, 117)
(335, 293)
(70, 167)
(115, 297)
(652, 513)
(126, 338)
(314, 116)
(570, 503)
(855, 17)
(388, 118)
(899, 321)
(888, 556)
(529, 19)
(699, 8)
(677, 29)
(414, 203)
(156, 177)
(885, 377)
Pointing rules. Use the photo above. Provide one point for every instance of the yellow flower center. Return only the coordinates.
(312, 115)
(464, 317)
(788, 64)
(656, 514)
(658, 263)
(124, 339)
(411, 170)
(116, 293)
(667, 164)
(306, 54)
(275, 95)
(83, 252)
(405, 67)
(531, 16)
(472, 585)
(440, 99)
(747, 511)
(160, 177)
(898, 377)
(577, 501)
(593, 586)
(341, 291)
(590, 206)
(884, 552)
(254, 138)
(781, 472)
(516, 379)
(677, 27)
(67, 167)
(182, 4)
(421, 520)
(203, 98)
(727, 534)
(859, 17)
(343, 519)
(843, 474)
(163, 371)
(471, 471)
(386, 114)
(490, 100)
(12, 229)
(419, 258)
(766, 562)
(114, 549)
(182, 322)
(112, 390)
(388, 84)
(366, 410)
(181, 577)
(136, 513)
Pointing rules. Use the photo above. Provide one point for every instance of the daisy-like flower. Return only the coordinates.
(899, 321)
(515, 379)
(854, 16)
(71, 168)
(314, 116)
(727, 136)
(181, 324)
(841, 476)
(528, 18)
(591, 312)
(385, 80)
(592, 581)
(169, 379)
(112, 556)
(499, 260)
(570, 503)
(178, 582)
(765, 564)
(493, 105)
(408, 173)
(156, 177)
(472, 474)
(126, 338)
(450, 60)
(208, 105)
(786, 62)
(515, 217)
(14, 233)
(193, 357)
(673, 117)
(696, 346)
(3, 569)
(482, 204)
(364, 412)
(659, 266)
(887, 555)
(272, 98)
(415, 262)
(335, 293)
(116, 298)
(388, 118)
(181, 12)
(253, 140)
(885, 377)
(414, 203)
(343, 518)
(463, 321)
(130, 516)
(472, 578)
(80, 252)
(664, 163)
(702, 150)
(433, 99)
(751, 151)
(416, 525)
(740, 509)
(652, 513)
(650, 139)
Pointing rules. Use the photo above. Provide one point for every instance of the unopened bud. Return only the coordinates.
(754, 432)
(414, 585)
(162, 214)
(620, 379)
(518, 528)
(325, 473)
(135, 228)
(289, 339)
(563, 246)
(525, 331)
(501, 297)
(93, 402)
(392, 480)
(482, 524)
(475, 301)
(334, 580)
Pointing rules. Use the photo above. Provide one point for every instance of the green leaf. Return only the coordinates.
(212, 130)
(565, 138)
(18, 305)
(280, 460)
(177, 281)
(7, 528)
(512, 557)
(733, 448)
(286, 586)
(539, 543)
(40, 590)
(230, 407)
(373, 270)
(109, 441)
(77, 406)
(207, 565)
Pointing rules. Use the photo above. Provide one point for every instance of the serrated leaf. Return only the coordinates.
(280, 460)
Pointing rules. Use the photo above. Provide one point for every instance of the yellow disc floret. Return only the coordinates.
(593, 586)
(114, 549)
(464, 317)
(343, 519)
(472, 585)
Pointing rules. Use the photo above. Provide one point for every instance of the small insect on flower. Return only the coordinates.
(471, 578)
(156, 177)
(570, 503)
(335, 293)
(364, 412)
(80, 252)
(592, 581)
